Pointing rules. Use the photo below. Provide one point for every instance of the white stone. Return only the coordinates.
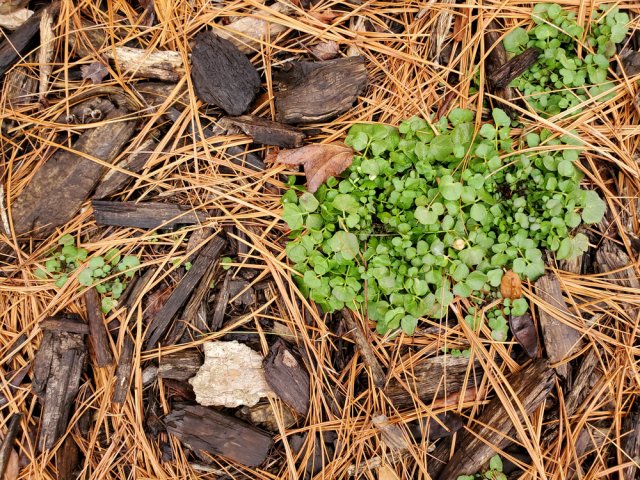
(231, 376)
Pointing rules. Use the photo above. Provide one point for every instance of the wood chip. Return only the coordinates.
(513, 68)
(147, 215)
(497, 57)
(494, 426)
(6, 447)
(364, 347)
(164, 65)
(631, 443)
(46, 53)
(393, 435)
(60, 186)
(56, 379)
(319, 91)
(431, 379)
(17, 43)
(265, 131)
(525, 333)
(21, 87)
(181, 365)
(325, 50)
(98, 336)
(205, 430)
(560, 340)
(15, 19)
(287, 377)
(222, 75)
(124, 370)
(161, 321)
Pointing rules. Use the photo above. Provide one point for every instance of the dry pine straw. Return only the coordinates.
(406, 78)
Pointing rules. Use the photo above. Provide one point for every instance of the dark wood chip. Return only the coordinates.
(287, 377)
(56, 379)
(319, 91)
(494, 426)
(204, 430)
(161, 321)
(181, 365)
(98, 336)
(631, 442)
(64, 323)
(68, 460)
(124, 370)
(6, 447)
(364, 347)
(114, 180)
(148, 215)
(560, 339)
(265, 131)
(16, 44)
(630, 63)
(513, 68)
(15, 379)
(222, 300)
(222, 75)
(441, 426)
(430, 379)
(60, 186)
(525, 333)
(497, 57)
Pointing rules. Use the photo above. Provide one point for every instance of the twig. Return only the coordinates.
(363, 344)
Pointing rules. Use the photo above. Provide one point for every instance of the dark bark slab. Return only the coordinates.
(159, 324)
(21, 87)
(222, 75)
(124, 370)
(631, 443)
(56, 379)
(531, 385)
(64, 323)
(265, 131)
(6, 447)
(148, 215)
(287, 377)
(68, 460)
(98, 336)
(65, 181)
(222, 300)
(319, 91)
(430, 379)
(525, 332)
(16, 44)
(180, 365)
(441, 426)
(364, 347)
(113, 181)
(617, 265)
(560, 339)
(205, 430)
(513, 68)
(497, 57)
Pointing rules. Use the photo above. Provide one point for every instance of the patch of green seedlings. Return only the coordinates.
(429, 212)
(493, 473)
(68, 258)
(564, 75)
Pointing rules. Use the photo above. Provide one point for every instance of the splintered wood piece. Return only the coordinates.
(441, 426)
(15, 44)
(497, 57)
(513, 68)
(60, 186)
(431, 379)
(364, 347)
(222, 300)
(265, 131)
(393, 435)
(630, 63)
(21, 87)
(610, 259)
(631, 443)
(148, 215)
(204, 430)
(159, 324)
(124, 370)
(98, 336)
(67, 460)
(222, 75)
(494, 426)
(164, 65)
(56, 379)
(46, 53)
(114, 180)
(181, 365)
(319, 91)
(560, 339)
(6, 447)
(64, 323)
(287, 377)
(15, 379)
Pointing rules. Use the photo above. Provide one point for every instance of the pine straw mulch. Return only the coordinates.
(421, 57)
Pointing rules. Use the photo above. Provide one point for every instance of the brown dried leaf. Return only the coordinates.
(326, 16)
(95, 71)
(511, 286)
(325, 50)
(524, 331)
(155, 302)
(321, 161)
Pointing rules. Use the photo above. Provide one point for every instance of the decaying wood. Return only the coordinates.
(148, 215)
(441, 426)
(98, 336)
(56, 379)
(393, 435)
(631, 443)
(181, 365)
(525, 333)
(497, 57)
(319, 91)
(560, 339)
(205, 430)
(264, 415)
(164, 65)
(15, 44)
(15, 19)
(494, 426)
(124, 370)
(617, 265)
(265, 131)
(513, 68)
(222, 300)
(68, 460)
(364, 347)
(114, 180)
(21, 87)
(64, 323)
(630, 63)
(430, 379)
(6, 447)
(60, 186)
(159, 324)
(130, 297)
(46, 52)
(287, 377)
(222, 75)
